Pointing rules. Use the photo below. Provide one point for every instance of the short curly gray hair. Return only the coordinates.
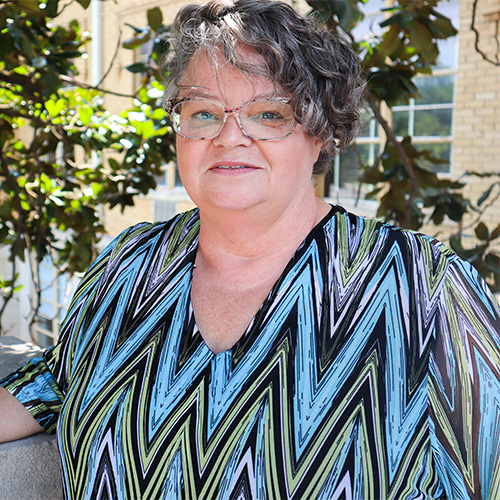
(316, 66)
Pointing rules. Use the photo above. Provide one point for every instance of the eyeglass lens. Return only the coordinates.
(261, 119)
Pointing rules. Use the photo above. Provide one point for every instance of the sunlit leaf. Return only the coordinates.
(85, 114)
(138, 40)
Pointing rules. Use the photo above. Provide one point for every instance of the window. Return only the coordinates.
(56, 292)
(348, 167)
(429, 118)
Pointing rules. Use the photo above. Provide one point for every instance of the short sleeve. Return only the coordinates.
(464, 386)
(41, 384)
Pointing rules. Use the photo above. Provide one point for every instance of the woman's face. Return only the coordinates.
(234, 172)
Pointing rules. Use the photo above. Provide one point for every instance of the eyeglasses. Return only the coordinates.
(260, 119)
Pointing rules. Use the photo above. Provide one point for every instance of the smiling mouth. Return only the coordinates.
(231, 167)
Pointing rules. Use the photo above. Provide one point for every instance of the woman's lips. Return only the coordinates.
(232, 167)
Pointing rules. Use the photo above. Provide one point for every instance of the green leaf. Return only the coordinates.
(454, 210)
(6, 45)
(404, 18)
(155, 18)
(54, 107)
(492, 261)
(421, 39)
(32, 5)
(51, 8)
(495, 233)
(437, 216)
(135, 28)
(85, 115)
(114, 164)
(83, 3)
(456, 244)
(52, 83)
(137, 67)
(442, 25)
(391, 41)
(482, 232)
(485, 195)
(25, 205)
(346, 11)
(137, 41)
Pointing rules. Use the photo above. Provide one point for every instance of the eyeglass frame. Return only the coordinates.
(236, 112)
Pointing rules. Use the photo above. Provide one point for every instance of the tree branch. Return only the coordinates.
(72, 81)
(477, 34)
(415, 187)
(112, 60)
(23, 81)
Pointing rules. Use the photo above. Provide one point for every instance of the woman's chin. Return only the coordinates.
(230, 201)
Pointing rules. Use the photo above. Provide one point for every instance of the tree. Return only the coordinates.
(51, 185)
(401, 179)
(63, 155)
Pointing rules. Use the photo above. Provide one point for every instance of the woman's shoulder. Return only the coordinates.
(179, 224)
(178, 230)
(379, 243)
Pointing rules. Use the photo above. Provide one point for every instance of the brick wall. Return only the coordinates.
(477, 113)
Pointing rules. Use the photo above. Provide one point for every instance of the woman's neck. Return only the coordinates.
(240, 257)
(253, 235)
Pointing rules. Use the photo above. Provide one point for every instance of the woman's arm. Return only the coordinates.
(464, 390)
(15, 420)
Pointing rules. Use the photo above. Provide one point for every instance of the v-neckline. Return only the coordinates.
(251, 332)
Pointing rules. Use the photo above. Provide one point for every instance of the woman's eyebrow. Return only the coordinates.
(193, 91)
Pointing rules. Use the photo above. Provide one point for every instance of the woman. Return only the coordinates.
(268, 345)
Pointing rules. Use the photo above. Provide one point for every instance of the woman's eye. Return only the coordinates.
(269, 115)
(203, 116)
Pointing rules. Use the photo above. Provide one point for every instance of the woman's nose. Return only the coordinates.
(231, 133)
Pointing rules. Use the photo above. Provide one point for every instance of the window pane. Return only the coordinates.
(55, 294)
(400, 122)
(44, 340)
(440, 151)
(448, 48)
(46, 309)
(367, 124)
(352, 161)
(370, 24)
(46, 272)
(448, 53)
(62, 314)
(62, 284)
(45, 323)
(435, 89)
(433, 122)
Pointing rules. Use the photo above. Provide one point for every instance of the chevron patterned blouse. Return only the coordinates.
(371, 371)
